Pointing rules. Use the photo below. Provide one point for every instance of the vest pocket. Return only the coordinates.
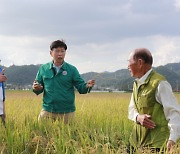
(159, 135)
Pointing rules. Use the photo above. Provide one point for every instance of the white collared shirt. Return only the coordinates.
(166, 98)
(57, 67)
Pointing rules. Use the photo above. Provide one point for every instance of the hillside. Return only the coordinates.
(24, 75)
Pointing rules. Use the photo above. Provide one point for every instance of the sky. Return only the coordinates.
(100, 34)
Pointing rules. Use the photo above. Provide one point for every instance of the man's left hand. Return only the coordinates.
(90, 83)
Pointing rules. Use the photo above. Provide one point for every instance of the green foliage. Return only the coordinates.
(95, 129)
(171, 75)
(120, 80)
(100, 126)
(174, 67)
(21, 75)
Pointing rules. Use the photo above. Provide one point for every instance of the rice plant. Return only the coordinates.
(100, 126)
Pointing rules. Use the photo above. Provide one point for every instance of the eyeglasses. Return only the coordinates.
(62, 50)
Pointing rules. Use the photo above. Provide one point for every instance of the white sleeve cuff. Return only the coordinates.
(173, 137)
(135, 117)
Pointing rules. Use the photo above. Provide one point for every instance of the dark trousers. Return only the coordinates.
(2, 119)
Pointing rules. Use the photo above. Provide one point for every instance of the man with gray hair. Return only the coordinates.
(153, 106)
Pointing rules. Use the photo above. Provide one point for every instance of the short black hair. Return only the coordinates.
(58, 43)
(144, 54)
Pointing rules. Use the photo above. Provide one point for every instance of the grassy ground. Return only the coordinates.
(100, 125)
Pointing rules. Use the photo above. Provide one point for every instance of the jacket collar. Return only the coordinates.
(64, 65)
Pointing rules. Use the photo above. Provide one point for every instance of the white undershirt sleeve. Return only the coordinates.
(132, 112)
(165, 97)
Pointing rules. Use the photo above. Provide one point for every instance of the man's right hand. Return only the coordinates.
(36, 86)
(145, 121)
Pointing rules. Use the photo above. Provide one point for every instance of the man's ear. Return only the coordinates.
(50, 52)
(141, 62)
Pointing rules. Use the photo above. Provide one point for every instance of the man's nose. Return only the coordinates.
(59, 53)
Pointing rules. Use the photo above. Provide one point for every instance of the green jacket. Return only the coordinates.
(59, 95)
(145, 102)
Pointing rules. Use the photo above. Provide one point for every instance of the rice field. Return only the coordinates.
(100, 126)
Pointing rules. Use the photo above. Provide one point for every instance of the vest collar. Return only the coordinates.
(143, 79)
(149, 76)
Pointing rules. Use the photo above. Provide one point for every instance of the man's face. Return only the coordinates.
(133, 66)
(58, 54)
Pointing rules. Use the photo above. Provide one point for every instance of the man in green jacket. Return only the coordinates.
(57, 80)
(153, 106)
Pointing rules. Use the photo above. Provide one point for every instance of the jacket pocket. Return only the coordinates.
(48, 83)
